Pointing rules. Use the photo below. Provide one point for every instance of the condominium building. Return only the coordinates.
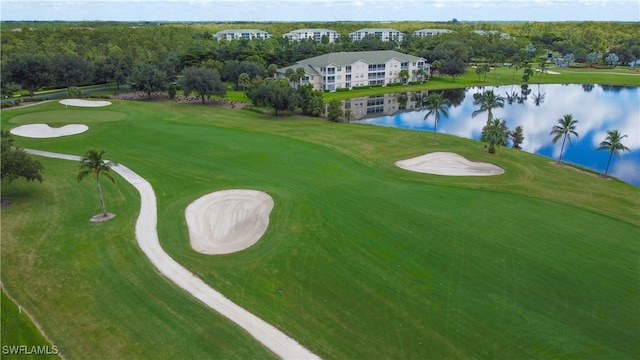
(383, 34)
(492, 33)
(430, 32)
(362, 68)
(235, 34)
(315, 34)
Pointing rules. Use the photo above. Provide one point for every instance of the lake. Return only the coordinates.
(537, 108)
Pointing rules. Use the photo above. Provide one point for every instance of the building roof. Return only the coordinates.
(311, 30)
(235, 31)
(348, 58)
(375, 30)
(434, 30)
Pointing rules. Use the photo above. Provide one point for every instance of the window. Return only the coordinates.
(331, 70)
(347, 77)
(339, 68)
(331, 79)
(348, 69)
(339, 77)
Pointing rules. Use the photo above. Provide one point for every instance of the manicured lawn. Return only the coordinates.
(18, 330)
(361, 259)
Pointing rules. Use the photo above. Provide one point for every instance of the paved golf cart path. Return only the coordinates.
(147, 237)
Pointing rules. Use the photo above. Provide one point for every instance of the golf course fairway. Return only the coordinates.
(361, 259)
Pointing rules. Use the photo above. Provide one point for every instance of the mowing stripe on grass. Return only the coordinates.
(147, 236)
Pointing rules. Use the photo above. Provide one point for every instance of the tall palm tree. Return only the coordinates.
(93, 163)
(436, 106)
(613, 143)
(488, 101)
(543, 67)
(565, 128)
(404, 75)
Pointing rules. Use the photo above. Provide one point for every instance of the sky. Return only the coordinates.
(321, 10)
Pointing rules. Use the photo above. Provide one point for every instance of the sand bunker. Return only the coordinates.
(85, 103)
(227, 221)
(44, 131)
(451, 164)
(549, 72)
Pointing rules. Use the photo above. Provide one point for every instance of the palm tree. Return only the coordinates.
(404, 75)
(543, 67)
(93, 163)
(436, 106)
(244, 79)
(300, 75)
(496, 134)
(565, 128)
(613, 143)
(488, 101)
(436, 65)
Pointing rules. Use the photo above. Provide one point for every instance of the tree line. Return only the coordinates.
(60, 54)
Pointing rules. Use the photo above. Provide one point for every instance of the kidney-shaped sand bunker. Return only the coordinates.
(227, 221)
(449, 164)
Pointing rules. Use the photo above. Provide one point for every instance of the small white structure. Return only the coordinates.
(236, 34)
(430, 32)
(384, 34)
(492, 33)
(315, 34)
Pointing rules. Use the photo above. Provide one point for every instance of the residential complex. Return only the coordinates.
(315, 34)
(348, 69)
(430, 32)
(383, 34)
(492, 33)
(235, 34)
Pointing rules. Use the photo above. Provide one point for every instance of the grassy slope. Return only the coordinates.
(19, 330)
(361, 259)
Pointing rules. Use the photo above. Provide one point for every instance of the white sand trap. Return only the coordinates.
(85, 103)
(147, 237)
(451, 164)
(227, 221)
(44, 131)
(549, 72)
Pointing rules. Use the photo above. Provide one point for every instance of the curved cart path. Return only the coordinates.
(147, 237)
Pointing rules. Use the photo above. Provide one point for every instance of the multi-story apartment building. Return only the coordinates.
(315, 34)
(348, 69)
(235, 34)
(430, 32)
(383, 34)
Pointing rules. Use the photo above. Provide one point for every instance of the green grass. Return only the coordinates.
(19, 330)
(361, 259)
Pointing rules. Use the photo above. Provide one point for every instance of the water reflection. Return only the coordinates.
(537, 108)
